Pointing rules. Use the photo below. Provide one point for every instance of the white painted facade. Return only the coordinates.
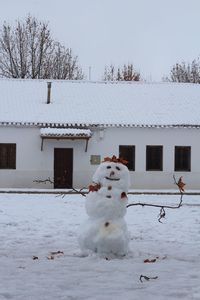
(33, 164)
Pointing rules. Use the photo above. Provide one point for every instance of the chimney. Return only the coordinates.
(48, 92)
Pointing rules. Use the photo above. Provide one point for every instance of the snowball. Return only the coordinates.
(114, 174)
(107, 204)
(107, 238)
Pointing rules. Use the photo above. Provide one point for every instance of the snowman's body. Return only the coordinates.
(105, 232)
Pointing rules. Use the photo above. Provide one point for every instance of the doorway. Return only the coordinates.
(63, 168)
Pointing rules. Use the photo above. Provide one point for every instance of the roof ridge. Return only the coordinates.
(142, 82)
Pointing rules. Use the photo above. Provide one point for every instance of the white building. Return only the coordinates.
(153, 125)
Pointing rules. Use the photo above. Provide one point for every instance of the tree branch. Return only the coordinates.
(49, 180)
(44, 181)
(76, 191)
(162, 212)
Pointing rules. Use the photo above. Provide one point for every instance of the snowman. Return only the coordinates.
(105, 231)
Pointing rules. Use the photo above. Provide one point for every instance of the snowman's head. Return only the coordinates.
(114, 174)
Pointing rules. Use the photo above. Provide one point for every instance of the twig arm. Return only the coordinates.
(162, 213)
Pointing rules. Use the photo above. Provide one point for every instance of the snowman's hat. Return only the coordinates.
(115, 160)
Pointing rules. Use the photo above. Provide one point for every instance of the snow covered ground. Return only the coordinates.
(35, 225)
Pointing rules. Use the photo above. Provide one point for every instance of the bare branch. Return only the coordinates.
(48, 180)
(74, 190)
(162, 213)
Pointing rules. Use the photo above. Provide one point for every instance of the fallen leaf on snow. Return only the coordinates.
(50, 257)
(54, 254)
(150, 260)
(147, 277)
(35, 257)
(57, 253)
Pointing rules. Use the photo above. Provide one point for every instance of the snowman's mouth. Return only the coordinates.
(114, 179)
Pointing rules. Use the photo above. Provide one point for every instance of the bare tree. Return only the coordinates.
(109, 73)
(129, 74)
(63, 65)
(185, 72)
(27, 50)
(125, 73)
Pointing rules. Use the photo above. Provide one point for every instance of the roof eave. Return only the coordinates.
(92, 125)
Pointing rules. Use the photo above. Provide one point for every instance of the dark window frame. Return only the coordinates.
(182, 161)
(131, 163)
(151, 160)
(8, 156)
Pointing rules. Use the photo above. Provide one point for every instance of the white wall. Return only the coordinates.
(169, 138)
(32, 163)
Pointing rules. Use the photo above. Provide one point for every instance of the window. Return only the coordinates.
(182, 158)
(128, 153)
(7, 156)
(154, 158)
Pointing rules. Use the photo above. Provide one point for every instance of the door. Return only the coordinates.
(63, 168)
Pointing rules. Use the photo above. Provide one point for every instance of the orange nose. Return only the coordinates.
(112, 173)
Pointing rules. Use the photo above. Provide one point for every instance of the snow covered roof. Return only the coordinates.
(66, 132)
(84, 103)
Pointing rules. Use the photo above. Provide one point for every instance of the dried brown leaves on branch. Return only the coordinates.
(180, 184)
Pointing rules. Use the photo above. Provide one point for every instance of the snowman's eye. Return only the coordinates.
(118, 168)
(108, 167)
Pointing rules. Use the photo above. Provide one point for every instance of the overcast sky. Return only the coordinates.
(151, 34)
